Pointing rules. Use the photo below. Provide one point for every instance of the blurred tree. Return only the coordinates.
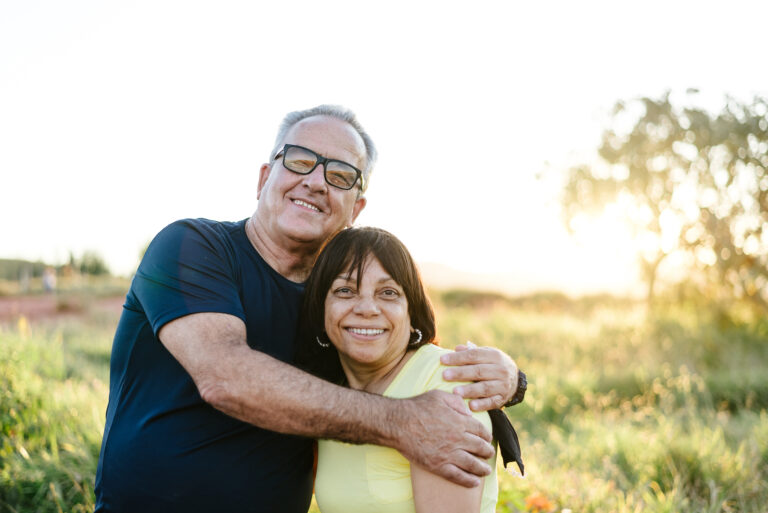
(689, 181)
(92, 263)
(11, 269)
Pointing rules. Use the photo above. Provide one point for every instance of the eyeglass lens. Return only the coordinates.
(337, 173)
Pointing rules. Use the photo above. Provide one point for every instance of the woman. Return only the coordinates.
(369, 325)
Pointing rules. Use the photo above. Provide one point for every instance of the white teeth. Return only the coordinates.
(305, 204)
(362, 331)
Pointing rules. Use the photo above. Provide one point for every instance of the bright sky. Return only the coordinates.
(117, 118)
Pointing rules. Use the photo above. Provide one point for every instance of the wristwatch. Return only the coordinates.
(522, 386)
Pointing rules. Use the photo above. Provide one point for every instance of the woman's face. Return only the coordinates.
(369, 325)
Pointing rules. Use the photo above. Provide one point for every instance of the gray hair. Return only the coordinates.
(334, 111)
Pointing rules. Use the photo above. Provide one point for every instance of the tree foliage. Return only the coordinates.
(690, 181)
(13, 269)
(89, 263)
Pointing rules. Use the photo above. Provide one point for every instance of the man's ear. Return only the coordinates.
(263, 175)
(357, 208)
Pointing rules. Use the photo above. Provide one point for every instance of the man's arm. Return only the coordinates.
(494, 373)
(433, 430)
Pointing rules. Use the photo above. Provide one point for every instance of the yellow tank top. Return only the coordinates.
(375, 479)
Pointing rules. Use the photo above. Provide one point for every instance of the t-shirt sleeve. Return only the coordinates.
(188, 268)
(435, 381)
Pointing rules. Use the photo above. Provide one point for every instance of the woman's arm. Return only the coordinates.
(433, 493)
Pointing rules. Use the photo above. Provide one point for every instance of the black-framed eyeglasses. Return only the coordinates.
(303, 161)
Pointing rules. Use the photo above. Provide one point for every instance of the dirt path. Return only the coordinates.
(50, 306)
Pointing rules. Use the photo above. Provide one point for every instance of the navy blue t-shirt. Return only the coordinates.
(164, 448)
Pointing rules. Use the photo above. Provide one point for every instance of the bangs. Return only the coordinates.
(390, 253)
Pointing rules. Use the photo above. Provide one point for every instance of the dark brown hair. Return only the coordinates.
(347, 252)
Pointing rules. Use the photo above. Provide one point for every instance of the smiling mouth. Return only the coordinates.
(366, 331)
(305, 205)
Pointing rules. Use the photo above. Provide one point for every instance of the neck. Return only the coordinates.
(373, 378)
(291, 259)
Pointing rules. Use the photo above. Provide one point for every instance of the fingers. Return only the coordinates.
(473, 465)
(470, 355)
(468, 467)
(456, 475)
(455, 401)
(485, 395)
(467, 470)
(482, 389)
(474, 430)
(464, 347)
(475, 372)
(477, 439)
(487, 403)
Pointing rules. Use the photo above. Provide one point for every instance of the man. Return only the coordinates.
(204, 405)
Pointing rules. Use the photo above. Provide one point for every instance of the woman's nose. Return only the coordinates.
(366, 305)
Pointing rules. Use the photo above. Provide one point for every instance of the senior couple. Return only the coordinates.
(241, 343)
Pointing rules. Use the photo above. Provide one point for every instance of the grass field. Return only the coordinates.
(625, 412)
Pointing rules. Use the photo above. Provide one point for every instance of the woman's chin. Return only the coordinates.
(366, 359)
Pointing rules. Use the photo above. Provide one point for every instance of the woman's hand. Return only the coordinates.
(493, 373)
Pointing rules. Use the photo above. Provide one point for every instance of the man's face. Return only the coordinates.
(304, 208)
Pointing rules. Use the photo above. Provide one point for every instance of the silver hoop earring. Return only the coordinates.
(322, 344)
(418, 339)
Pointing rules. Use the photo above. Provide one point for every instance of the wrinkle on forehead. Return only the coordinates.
(329, 137)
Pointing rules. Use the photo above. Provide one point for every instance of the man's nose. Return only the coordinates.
(316, 179)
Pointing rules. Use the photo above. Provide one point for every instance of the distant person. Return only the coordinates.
(49, 279)
(367, 323)
(206, 412)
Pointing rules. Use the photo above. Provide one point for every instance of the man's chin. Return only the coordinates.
(309, 235)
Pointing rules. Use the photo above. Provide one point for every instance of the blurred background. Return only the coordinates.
(583, 184)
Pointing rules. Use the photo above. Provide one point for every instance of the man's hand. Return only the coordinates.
(439, 434)
(493, 372)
